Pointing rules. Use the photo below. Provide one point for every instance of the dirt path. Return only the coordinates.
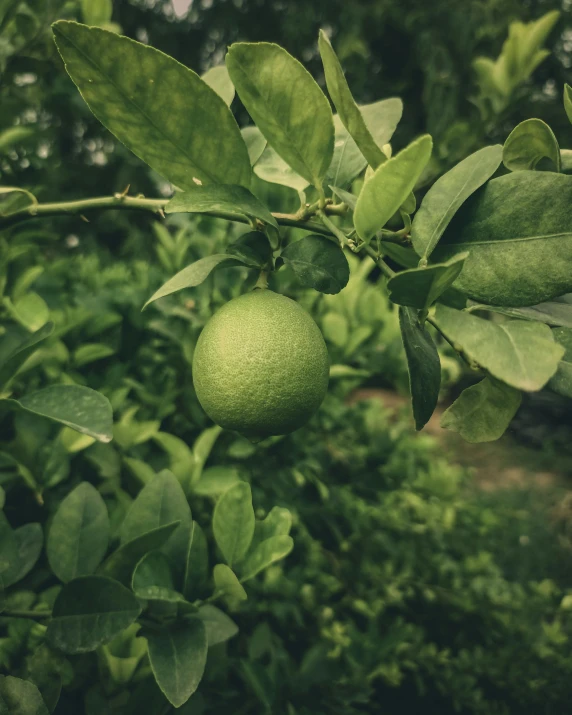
(504, 464)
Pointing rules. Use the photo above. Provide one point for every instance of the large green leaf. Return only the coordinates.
(381, 119)
(153, 580)
(178, 655)
(271, 167)
(390, 185)
(318, 263)
(528, 143)
(518, 231)
(122, 562)
(448, 193)
(277, 522)
(344, 102)
(221, 197)
(20, 697)
(79, 534)
(227, 585)
(253, 249)
(15, 350)
(255, 142)
(9, 557)
(196, 564)
(521, 353)
(286, 104)
(218, 625)
(568, 101)
(483, 412)
(266, 552)
(194, 274)
(552, 313)
(562, 380)
(423, 365)
(29, 540)
(161, 502)
(218, 79)
(75, 406)
(420, 287)
(89, 611)
(158, 108)
(233, 522)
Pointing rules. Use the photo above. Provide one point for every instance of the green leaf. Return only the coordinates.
(483, 412)
(267, 552)
(178, 656)
(521, 353)
(420, 287)
(278, 522)
(14, 352)
(271, 167)
(233, 522)
(562, 380)
(551, 313)
(221, 197)
(255, 142)
(568, 101)
(90, 352)
(89, 611)
(122, 562)
(390, 185)
(153, 580)
(350, 113)
(227, 585)
(219, 627)
(9, 557)
(528, 143)
(158, 108)
(196, 563)
(216, 480)
(518, 230)
(318, 263)
(160, 502)
(218, 79)
(286, 104)
(448, 193)
(96, 12)
(423, 365)
(29, 540)
(349, 199)
(20, 697)
(194, 274)
(78, 407)
(253, 249)
(202, 448)
(30, 310)
(12, 199)
(79, 534)
(348, 162)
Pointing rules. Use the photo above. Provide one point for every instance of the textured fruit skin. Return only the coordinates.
(261, 365)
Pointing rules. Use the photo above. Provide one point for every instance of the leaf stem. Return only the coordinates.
(340, 235)
(382, 265)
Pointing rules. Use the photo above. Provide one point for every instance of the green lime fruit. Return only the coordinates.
(261, 365)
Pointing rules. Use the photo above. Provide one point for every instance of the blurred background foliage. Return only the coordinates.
(424, 577)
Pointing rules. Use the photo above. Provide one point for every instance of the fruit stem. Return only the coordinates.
(262, 281)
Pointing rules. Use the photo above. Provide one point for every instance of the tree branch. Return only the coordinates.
(156, 207)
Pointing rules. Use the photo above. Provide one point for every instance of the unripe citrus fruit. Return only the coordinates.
(261, 365)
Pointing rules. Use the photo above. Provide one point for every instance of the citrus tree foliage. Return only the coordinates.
(490, 237)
